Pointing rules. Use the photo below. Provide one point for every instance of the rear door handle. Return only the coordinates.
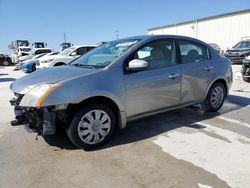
(208, 68)
(173, 76)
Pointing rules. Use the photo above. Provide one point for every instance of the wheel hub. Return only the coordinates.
(94, 126)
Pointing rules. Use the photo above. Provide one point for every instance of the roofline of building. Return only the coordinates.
(201, 19)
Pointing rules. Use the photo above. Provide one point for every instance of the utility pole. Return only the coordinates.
(64, 35)
(117, 34)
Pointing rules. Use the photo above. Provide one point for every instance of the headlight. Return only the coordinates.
(245, 60)
(47, 61)
(36, 95)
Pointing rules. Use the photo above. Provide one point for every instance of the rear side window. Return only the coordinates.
(192, 52)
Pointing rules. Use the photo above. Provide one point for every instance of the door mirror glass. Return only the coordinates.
(73, 53)
(137, 64)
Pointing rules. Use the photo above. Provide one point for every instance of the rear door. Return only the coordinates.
(197, 70)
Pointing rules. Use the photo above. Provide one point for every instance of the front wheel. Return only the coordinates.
(92, 126)
(215, 97)
(33, 68)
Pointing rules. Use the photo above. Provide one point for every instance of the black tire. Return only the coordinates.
(72, 129)
(33, 68)
(208, 106)
(246, 79)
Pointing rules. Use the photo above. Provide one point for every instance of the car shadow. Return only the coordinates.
(155, 125)
(7, 79)
(4, 74)
(60, 140)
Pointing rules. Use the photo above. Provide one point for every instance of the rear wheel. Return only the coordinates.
(215, 97)
(92, 126)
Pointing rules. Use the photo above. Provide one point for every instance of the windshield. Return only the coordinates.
(243, 44)
(67, 51)
(105, 54)
(25, 49)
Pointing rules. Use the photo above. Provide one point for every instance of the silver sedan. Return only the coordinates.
(121, 81)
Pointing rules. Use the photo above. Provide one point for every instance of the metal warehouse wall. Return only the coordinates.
(226, 31)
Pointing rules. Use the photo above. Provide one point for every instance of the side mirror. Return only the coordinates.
(137, 65)
(73, 53)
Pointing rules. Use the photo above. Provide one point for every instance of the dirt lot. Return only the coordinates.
(183, 148)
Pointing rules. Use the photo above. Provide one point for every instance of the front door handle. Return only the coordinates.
(173, 76)
(208, 68)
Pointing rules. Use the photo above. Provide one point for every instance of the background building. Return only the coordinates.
(225, 29)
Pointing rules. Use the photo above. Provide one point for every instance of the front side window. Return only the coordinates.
(192, 52)
(158, 54)
(67, 51)
(38, 52)
(105, 54)
(90, 48)
(81, 51)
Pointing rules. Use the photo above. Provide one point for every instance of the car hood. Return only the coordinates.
(29, 62)
(22, 58)
(48, 75)
(54, 57)
(238, 49)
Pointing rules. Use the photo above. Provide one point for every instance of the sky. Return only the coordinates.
(92, 21)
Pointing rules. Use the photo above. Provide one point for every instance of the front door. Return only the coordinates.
(157, 87)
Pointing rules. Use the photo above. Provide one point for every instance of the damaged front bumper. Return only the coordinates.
(41, 120)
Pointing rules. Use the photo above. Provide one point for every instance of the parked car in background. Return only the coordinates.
(30, 65)
(246, 69)
(20, 64)
(216, 47)
(34, 52)
(64, 57)
(239, 51)
(112, 85)
(5, 60)
(20, 48)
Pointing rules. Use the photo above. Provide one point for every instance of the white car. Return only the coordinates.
(35, 51)
(64, 57)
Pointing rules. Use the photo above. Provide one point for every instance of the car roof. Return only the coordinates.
(155, 37)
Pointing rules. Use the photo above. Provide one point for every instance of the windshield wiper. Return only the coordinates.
(84, 66)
